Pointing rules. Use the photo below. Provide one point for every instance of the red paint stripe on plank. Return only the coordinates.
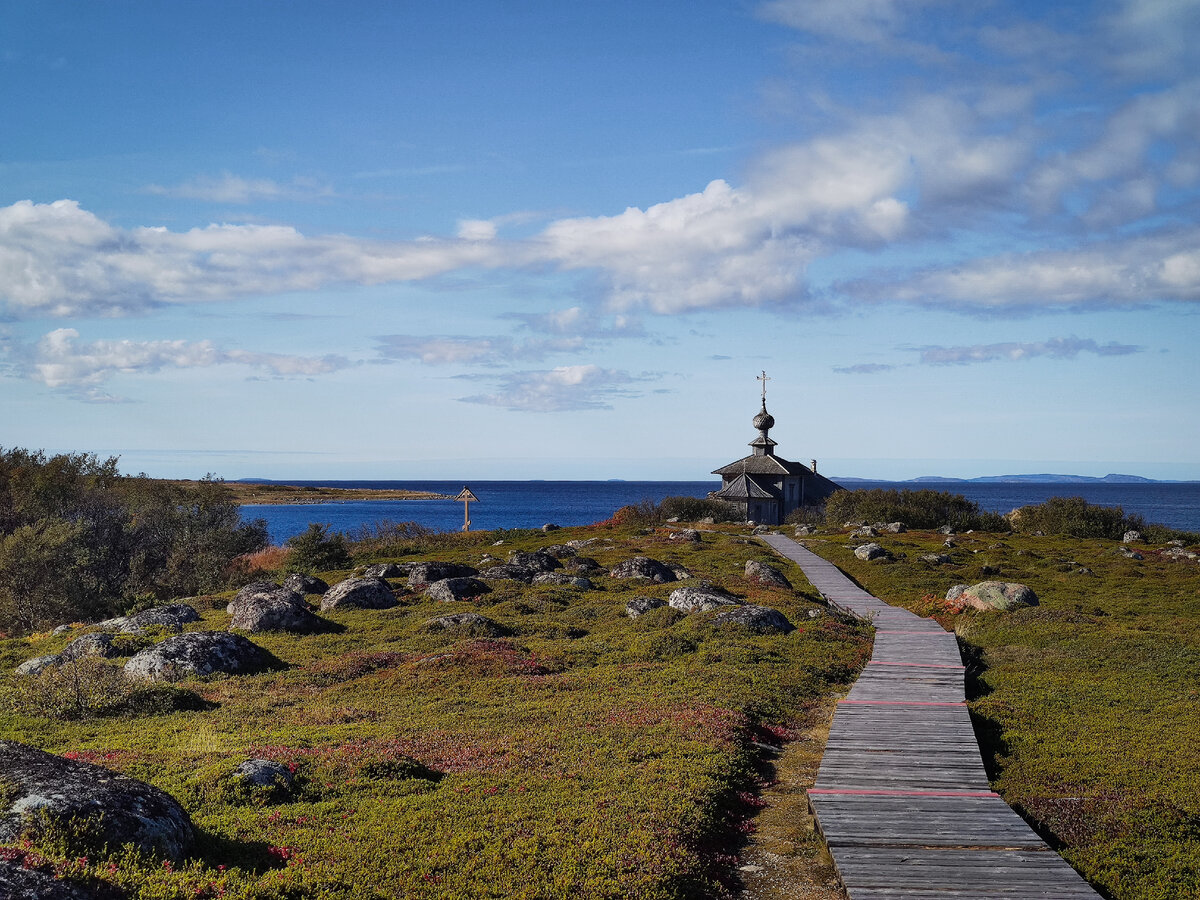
(899, 703)
(870, 793)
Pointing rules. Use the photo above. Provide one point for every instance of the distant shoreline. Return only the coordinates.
(259, 493)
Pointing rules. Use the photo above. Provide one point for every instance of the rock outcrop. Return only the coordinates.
(643, 567)
(573, 581)
(121, 809)
(270, 607)
(196, 655)
(172, 617)
(768, 576)
(388, 570)
(758, 619)
(1002, 595)
(305, 584)
(639, 606)
(448, 590)
(360, 593)
(701, 598)
(469, 623)
(424, 573)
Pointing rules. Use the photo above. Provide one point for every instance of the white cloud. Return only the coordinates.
(863, 369)
(61, 360)
(562, 389)
(1055, 348)
(230, 188)
(866, 21)
(438, 350)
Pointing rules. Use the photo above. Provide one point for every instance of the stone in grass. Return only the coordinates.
(639, 606)
(387, 570)
(424, 573)
(937, 559)
(41, 788)
(256, 589)
(1001, 595)
(19, 883)
(767, 576)
(39, 664)
(560, 551)
(196, 655)
(1131, 536)
(278, 610)
(680, 572)
(469, 623)
(305, 584)
(507, 573)
(758, 619)
(584, 564)
(573, 581)
(172, 617)
(533, 563)
(265, 773)
(701, 598)
(871, 551)
(98, 644)
(359, 593)
(643, 567)
(448, 590)
(685, 534)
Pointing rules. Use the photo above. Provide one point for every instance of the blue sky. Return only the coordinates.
(560, 240)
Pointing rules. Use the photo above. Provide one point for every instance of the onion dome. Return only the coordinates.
(764, 421)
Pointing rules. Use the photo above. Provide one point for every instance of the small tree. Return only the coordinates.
(316, 550)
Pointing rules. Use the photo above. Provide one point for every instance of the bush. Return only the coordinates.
(77, 689)
(316, 550)
(1076, 517)
(687, 509)
(916, 509)
(388, 538)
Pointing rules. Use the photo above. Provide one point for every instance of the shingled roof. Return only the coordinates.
(763, 465)
(743, 488)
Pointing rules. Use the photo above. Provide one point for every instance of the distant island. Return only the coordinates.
(1021, 479)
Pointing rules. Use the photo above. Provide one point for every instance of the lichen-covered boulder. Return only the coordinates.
(573, 581)
(584, 565)
(273, 609)
(469, 623)
(680, 572)
(424, 573)
(265, 773)
(867, 531)
(701, 598)
(98, 644)
(894, 527)
(196, 655)
(303, 584)
(805, 530)
(448, 590)
(172, 617)
(685, 534)
(19, 883)
(41, 787)
(639, 606)
(504, 572)
(937, 559)
(1002, 595)
(871, 551)
(767, 576)
(534, 563)
(1131, 536)
(39, 664)
(560, 551)
(359, 593)
(643, 567)
(388, 570)
(759, 619)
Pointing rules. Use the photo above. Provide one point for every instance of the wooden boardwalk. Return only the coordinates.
(901, 797)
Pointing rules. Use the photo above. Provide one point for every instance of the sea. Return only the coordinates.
(531, 504)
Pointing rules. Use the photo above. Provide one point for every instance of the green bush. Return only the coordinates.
(1076, 517)
(916, 509)
(78, 689)
(316, 550)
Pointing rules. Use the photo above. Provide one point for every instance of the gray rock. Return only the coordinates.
(387, 570)
(172, 617)
(949, 544)
(123, 809)
(639, 606)
(469, 623)
(303, 584)
(549, 526)
(272, 608)
(39, 664)
(1130, 554)
(643, 567)
(1131, 536)
(534, 563)
(1001, 595)
(1176, 543)
(701, 598)
(763, 529)
(582, 543)
(894, 527)
(449, 590)
(505, 572)
(97, 644)
(584, 564)
(573, 581)
(707, 520)
(196, 655)
(560, 551)
(425, 573)
(871, 552)
(759, 619)
(769, 576)
(19, 883)
(62, 629)
(946, 529)
(865, 532)
(685, 534)
(805, 530)
(265, 773)
(937, 559)
(672, 520)
(360, 593)
(681, 573)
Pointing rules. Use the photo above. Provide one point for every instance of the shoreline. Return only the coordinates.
(253, 494)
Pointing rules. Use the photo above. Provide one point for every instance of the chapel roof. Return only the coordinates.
(743, 488)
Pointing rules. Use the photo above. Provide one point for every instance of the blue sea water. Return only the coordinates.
(530, 504)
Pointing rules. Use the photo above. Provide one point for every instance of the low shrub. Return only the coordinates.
(316, 550)
(78, 689)
(1076, 517)
(916, 509)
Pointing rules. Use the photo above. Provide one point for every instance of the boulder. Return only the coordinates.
(549, 526)
(559, 551)
(506, 573)
(387, 570)
(533, 563)
(305, 584)
(707, 520)
(123, 810)
(265, 773)
(763, 529)
(1131, 536)
(685, 534)
(864, 532)
(1130, 553)
(448, 590)
(937, 559)
(574, 581)
(273, 609)
(701, 598)
(805, 530)
(172, 617)
(360, 593)
(893, 527)
(643, 567)
(582, 543)
(39, 664)
(19, 883)
(195, 655)
(424, 573)
(946, 529)
(681, 573)
(1002, 595)
(62, 629)
(98, 644)
(584, 564)
(470, 623)
(639, 606)
(759, 619)
(767, 576)
(871, 552)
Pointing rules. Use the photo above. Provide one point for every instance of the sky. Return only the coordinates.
(537, 239)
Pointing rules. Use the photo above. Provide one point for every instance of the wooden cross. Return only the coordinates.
(466, 495)
(764, 379)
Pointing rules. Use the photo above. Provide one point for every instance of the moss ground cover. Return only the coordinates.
(1088, 705)
(584, 754)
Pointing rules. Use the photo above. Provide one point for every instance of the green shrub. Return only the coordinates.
(916, 509)
(78, 689)
(693, 509)
(1076, 517)
(316, 550)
